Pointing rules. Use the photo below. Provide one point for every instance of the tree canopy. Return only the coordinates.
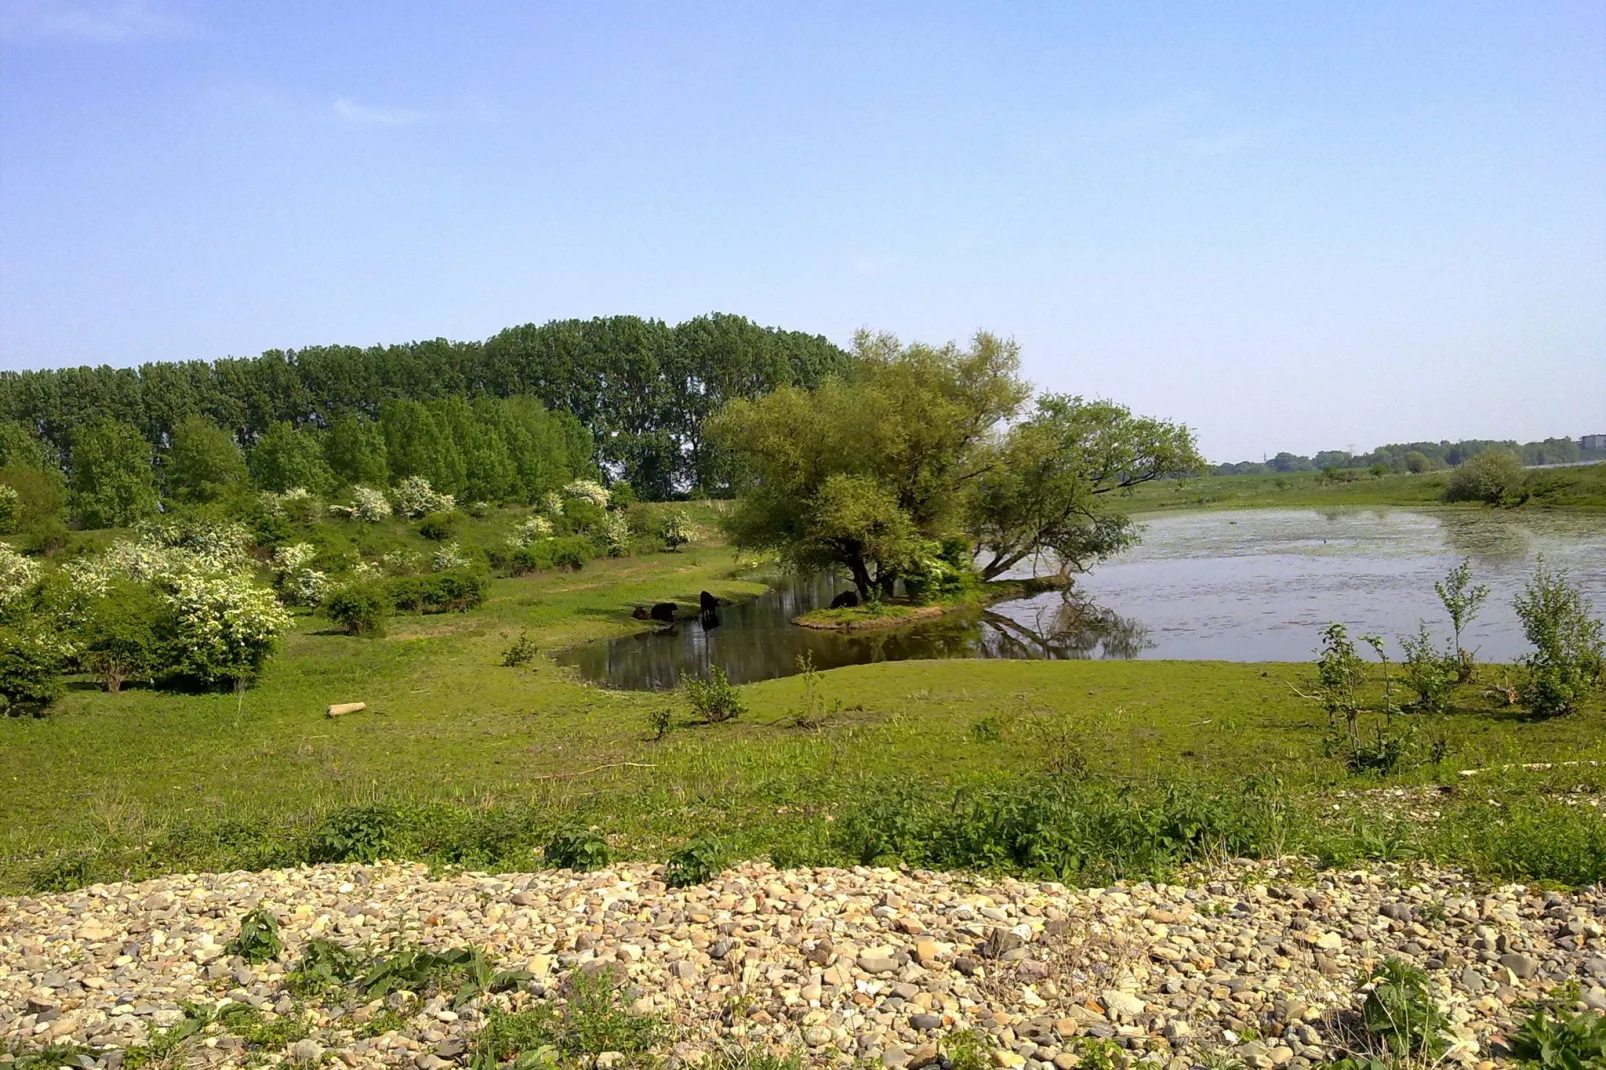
(912, 446)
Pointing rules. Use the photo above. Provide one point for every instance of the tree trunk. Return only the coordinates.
(861, 578)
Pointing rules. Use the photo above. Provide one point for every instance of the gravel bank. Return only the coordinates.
(867, 964)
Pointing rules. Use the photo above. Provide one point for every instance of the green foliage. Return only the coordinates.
(565, 552)
(203, 464)
(714, 700)
(577, 847)
(440, 526)
(258, 938)
(324, 967)
(698, 862)
(1553, 1038)
(1430, 671)
(966, 1050)
(354, 450)
(110, 481)
(40, 510)
(1339, 674)
(466, 970)
(522, 652)
(1569, 655)
(660, 720)
(455, 590)
(224, 627)
(592, 1020)
(1399, 1013)
(31, 664)
(122, 635)
(352, 834)
(1495, 477)
(359, 608)
(1461, 599)
(676, 528)
(1078, 831)
(286, 457)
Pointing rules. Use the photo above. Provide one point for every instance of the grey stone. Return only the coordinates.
(1521, 965)
(926, 1022)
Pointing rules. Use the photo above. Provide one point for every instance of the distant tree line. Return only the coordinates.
(639, 388)
(1417, 456)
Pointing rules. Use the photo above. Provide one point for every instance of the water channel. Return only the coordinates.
(1247, 585)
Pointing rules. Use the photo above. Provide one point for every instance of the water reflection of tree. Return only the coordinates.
(1075, 627)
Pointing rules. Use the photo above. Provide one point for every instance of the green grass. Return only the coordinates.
(1582, 487)
(461, 760)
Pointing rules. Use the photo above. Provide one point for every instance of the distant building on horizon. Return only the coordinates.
(1592, 442)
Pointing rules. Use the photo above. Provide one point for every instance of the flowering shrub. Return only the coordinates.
(225, 626)
(551, 503)
(678, 529)
(10, 506)
(291, 558)
(371, 505)
(17, 575)
(588, 489)
(615, 532)
(401, 562)
(537, 527)
(208, 546)
(31, 662)
(448, 557)
(307, 587)
(414, 497)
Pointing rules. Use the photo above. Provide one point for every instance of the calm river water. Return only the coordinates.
(1249, 585)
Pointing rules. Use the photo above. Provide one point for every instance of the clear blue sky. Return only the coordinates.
(1291, 225)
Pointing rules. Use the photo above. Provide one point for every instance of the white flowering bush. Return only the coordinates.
(10, 506)
(292, 558)
(414, 497)
(448, 557)
(551, 503)
(365, 571)
(678, 529)
(537, 527)
(225, 626)
(18, 575)
(207, 545)
(615, 533)
(401, 562)
(370, 505)
(307, 587)
(588, 489)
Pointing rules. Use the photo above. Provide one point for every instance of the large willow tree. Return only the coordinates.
(912, 446)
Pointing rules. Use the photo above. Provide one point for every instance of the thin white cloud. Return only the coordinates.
(349, 111)
(111, 22)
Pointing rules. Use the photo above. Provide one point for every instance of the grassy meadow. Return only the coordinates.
(1093, 768)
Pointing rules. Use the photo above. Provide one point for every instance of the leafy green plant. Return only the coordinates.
(660, 719)
(353, 834)
(1339, 672)
(1461, 599)
(412, 969)
(695, 863)
(1569, 655)
(258, 939)
(522, 652)
(577, 847)
(592, 1020)
(1399, 1013)
(1431, 672)
(1550, 1038)
(988, 729)
(966, 1050)
(324, 966)
(359, 608)
(714, 700)
(31, 664)
(439, 526)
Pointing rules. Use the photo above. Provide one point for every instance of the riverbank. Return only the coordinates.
(885, 616)
(1582, 488)
(824, 967)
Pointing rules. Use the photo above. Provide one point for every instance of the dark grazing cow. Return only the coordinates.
(664, 612)
(708, 602)
(845, 600)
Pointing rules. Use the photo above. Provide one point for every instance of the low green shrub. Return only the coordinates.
(354, 834)
(1552, 1037)
(359, 608)
(577, 847)
(455, 590)
(1399, 1013)
(440, 526)
(567, 552)
(258, 938)
(714, 700)
(698, 862)
(521, 652)
(1569, 655)
(31, 664)
(324, 967)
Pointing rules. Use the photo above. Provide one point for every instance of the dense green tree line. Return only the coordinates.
(1418, 456)
(641, 388)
